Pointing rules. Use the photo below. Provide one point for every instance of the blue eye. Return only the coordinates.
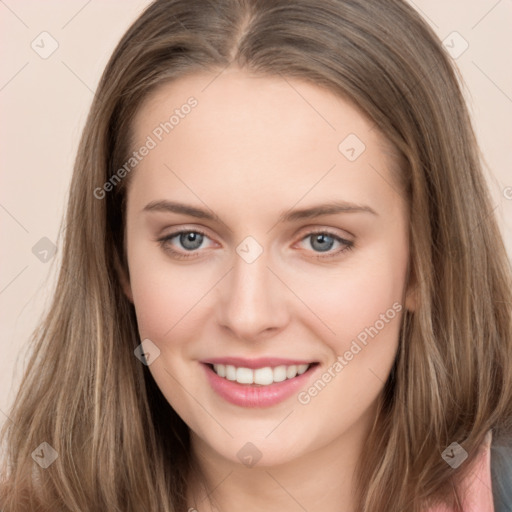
(323, 242)
(190, 241)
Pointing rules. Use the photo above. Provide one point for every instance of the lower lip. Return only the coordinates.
(250, 395)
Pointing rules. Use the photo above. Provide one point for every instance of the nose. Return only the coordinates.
(254, 301)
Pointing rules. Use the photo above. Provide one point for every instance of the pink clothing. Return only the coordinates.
(476, 489)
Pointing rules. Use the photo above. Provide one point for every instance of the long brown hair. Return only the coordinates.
(120, 445)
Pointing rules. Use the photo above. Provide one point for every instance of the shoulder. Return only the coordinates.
(501, 474)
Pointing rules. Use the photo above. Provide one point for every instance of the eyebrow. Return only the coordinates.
(330, 208)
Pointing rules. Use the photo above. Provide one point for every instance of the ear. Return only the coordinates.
(124, 277)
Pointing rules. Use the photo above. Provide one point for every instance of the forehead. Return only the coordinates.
(250, 102)
(256, 134)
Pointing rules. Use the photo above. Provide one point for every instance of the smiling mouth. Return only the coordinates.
(257, 377)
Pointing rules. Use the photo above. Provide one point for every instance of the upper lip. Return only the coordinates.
(260, 362)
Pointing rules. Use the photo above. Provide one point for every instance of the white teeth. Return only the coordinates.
(279, 373)
(291, 371)
(244, 376)
(302, 368)
(230, 372)
(220, 370)
(262, 376)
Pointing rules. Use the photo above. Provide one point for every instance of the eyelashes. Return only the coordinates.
(321, 236)
(182, 235)
(191, 241)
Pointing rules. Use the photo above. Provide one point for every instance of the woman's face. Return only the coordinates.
(266, 233)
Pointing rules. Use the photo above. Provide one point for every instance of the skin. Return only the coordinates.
(253, 148)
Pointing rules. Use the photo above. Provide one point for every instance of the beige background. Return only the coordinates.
(44, 103)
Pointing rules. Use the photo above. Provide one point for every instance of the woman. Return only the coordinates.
(201, 352)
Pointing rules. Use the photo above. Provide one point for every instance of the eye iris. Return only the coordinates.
(191, 241)
(321, 238)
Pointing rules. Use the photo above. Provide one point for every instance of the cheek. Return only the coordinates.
(364, 296)
(165, 295)
(364, 309)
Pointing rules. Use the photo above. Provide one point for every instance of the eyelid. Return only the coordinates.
(319, 228)
(184, 230)
(347, 244)
(165, 240)
(309, 231)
